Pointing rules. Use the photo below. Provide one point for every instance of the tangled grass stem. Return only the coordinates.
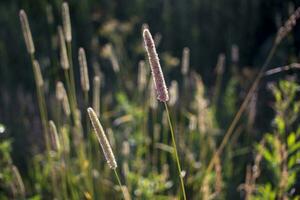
(175, 151)
(242, 108)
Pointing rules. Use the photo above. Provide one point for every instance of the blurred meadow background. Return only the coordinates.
(232, 72)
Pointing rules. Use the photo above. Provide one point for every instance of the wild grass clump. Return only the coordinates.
(190, 141)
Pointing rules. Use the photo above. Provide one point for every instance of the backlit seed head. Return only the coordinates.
(61, 96)
(38, 74)
(60, 91)
(106, 148)
(66, 22)
(84, 76)
(64, 61)
(54, 136)
(185, 63)
(66, 105)
(160, 85)
(173, 93)
(26, 32)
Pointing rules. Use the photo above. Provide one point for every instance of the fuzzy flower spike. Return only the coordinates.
(157, 74)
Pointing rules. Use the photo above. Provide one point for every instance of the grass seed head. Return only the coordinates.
(160, 85)
(66, 22)
(64, 61)
(84, 75)
(26, 32)
(185, 65)
(106, 148)
(54, 136)
(173, 93)
(60, 91)
(38, 74)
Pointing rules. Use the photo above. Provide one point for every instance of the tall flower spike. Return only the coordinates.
(66, 105)
(66, 22)
(59, 91)
(38, 74)
(26, 32)
(160, 85)
(62, 96)
(54, 135)
(84, 76)
(185, 61)
(106, 148)
(64, 61)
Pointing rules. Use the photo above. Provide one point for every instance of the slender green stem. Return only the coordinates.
(175, 151)
(72, 79)
(119, 182)
(42, 107)
(70, 95)
(86, 101)
(217, 90)
(44, 119)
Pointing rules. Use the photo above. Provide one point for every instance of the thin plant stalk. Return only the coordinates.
(86, 100)
(42, 108)
(71, 97)
(119, 182)
(72, 79)
(175, 151)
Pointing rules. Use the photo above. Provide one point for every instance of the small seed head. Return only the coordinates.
(66, 22)
(106, 148)
(38, 74)
(64, 61)
(185, 65)
(84, 76)
(26, 32)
